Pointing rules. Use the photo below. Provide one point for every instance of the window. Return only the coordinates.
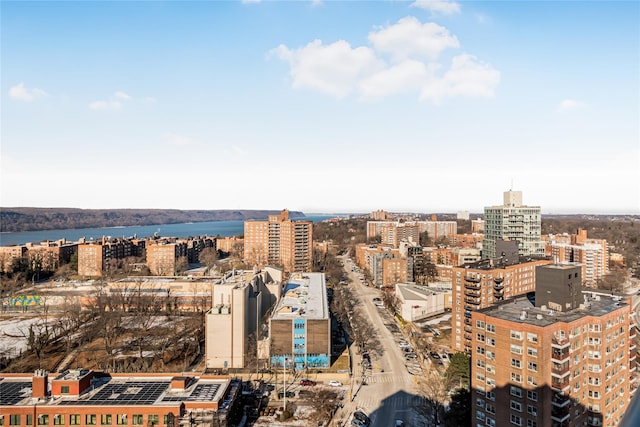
(14, 420)
(532, 410)
(58, 420)
(532, 337)
(532, 366)
(29, 419)
(491, 328)
(480, 337)
(516, 420)
(515, 377)
(491, 341)
(136, 419)
(516, 406)
(491, 355)
(480, 363)
(516, 349)
(105, 419)
(64, 389)
(152, 419)
(43, 420)
(90, 419)
(533, 352)
(480, 350)
(479, 324)
(515, 363)
(531, 423)
(121, 419)
(491, 422)
(516, 391)
(516, 335)
(531, 380)
(74, 419)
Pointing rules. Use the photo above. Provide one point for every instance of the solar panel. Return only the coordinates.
(202, 392)
(12, 392)
(127, 393)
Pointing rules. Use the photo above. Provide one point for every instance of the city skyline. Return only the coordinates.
(321, 106)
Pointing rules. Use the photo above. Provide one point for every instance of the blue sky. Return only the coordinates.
(321, 106)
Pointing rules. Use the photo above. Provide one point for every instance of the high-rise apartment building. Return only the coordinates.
(279, 241)
(163, 256)
(512, 221)
(559, 359)
(392, 232)
(483, 283)
(592, 254)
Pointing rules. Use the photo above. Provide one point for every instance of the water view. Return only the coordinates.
(210, 228)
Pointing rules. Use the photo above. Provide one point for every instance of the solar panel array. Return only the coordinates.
(128, 393)
(202, 393)
(12, 392)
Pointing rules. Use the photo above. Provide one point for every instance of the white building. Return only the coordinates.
(240, 300)
(419, 302)
(513, 221)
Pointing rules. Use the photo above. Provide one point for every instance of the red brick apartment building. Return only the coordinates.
(87, 398)
(279, 241)
(565, 358)
(48, 255)
(483, 283)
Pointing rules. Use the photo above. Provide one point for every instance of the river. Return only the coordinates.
(210, 228)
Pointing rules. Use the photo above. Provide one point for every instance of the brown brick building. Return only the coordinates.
(279, 241)
(534, 366)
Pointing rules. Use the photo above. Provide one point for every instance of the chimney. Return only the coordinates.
(39, 385)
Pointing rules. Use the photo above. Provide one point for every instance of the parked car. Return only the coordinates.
(335, 383)
(289, 394)
(411, 356)
(399, 423)
(361, 417)
(307, 382)
(435, 355)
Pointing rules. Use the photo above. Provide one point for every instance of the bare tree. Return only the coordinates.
(434, 387)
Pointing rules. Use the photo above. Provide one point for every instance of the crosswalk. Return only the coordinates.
(400, 401)
(379, 379)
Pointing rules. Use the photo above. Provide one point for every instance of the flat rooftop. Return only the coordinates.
(512, 309)
(304, 296)
(15, 390)
(414, 292)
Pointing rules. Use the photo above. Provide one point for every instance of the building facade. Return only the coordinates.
(534, 366)
(300, 327)
(481, 284)
(279, 241)
(592, 254)
(512, 221)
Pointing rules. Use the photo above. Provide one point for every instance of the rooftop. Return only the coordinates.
(305, 295)
(522, 309)
(107, 390)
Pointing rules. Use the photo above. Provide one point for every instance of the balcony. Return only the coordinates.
(560, 414)
(560, 355)
(472, 279)
(560, 384)
(468, 307)
(560, 400)
(559, 341)
(560, 369)
(468, 337)
(498, 286)
(467, 314)
(472, 293)
(473, 286)
(467, 321)
(474, 301)
(594, 421)
(468, 329)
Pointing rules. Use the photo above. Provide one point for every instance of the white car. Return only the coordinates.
(334, 383)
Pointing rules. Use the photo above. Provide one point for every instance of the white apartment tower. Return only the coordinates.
(512, 221)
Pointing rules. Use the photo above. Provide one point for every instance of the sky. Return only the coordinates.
(320, 106)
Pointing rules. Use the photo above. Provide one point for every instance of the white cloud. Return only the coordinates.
(444, 7)
(338, 69)
(105, 105)
(317, 3)
(569, 105)
(334, 69)
(466, 77)
(404, 77)
(114, 102)
(121, 95)
(22, 93)
(409, 38)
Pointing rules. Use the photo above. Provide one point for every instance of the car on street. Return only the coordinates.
(307, 382)
(399, 423)
(335, 383)
(360, 418)
(411, 356)
(281, 394)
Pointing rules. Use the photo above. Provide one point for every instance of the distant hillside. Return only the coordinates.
(36, 219)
